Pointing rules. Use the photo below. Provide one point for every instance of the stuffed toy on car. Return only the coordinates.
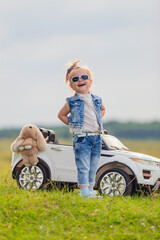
(28, 143)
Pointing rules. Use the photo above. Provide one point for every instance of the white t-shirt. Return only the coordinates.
(90, 116)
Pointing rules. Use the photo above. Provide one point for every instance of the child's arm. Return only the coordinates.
(62, 115)
(102, 110)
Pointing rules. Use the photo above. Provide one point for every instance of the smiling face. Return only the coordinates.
(81, 86)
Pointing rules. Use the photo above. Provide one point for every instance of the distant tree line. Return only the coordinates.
(133, 130)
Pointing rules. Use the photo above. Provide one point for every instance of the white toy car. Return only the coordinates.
(120, 171)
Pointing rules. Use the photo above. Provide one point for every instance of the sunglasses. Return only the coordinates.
(75, 79)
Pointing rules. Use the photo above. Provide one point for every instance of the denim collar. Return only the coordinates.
(77, 97)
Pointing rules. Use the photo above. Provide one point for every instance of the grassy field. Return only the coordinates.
(64, 215)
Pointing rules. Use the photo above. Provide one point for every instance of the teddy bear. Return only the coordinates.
(28, 143)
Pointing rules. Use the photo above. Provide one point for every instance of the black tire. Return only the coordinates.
(115, 182)
(33, 177)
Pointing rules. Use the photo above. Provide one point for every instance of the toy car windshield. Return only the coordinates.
(113, 143)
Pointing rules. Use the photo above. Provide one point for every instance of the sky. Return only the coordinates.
(119, 40)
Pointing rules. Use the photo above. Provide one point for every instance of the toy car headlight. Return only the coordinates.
(146, 162)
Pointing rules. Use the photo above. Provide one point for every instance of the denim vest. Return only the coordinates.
(76, 117)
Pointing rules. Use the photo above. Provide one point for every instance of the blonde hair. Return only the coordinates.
(74, 66)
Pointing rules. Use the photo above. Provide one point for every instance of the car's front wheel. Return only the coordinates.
(115, 182)
(32, 177)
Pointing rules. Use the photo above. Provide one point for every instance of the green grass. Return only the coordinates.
(57, 215)
(5, 161)
(65, 215)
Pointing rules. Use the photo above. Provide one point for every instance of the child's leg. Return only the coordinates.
(95, 156)
(82, 152)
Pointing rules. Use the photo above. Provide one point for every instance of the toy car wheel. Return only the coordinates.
(115, 182)
(32, 177)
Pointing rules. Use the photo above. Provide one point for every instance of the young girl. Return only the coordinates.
(83, 113)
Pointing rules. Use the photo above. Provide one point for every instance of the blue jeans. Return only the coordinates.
(87, 154)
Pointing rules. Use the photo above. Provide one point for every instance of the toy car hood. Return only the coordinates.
(138, 156)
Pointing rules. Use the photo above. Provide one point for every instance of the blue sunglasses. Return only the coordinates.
(75, 79)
